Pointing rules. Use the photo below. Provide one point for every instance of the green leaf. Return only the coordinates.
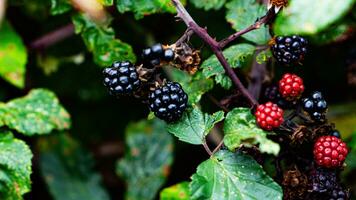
(37, 113)
(233, 176)
(179, 191)
(237, 56)
(148, 157)
(15, 167)
(263, 56)
(240, 128)
(194, 125)
(13, 56)
(100, 40)
(194, 85)
(208, 4)
(310, 17)
(68, 170)
(243, 13)
(60, 6)
(145, 7)
(107, 2)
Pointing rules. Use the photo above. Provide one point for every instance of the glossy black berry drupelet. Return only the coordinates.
(155, 54)
(338, 193)
(271, 93)
(168, 102)
(335, 133)
(315, 106)
(121, 78)
(289, 50)
(322, 180)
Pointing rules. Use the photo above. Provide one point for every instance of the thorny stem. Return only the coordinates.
(260, 22)
(215, 47)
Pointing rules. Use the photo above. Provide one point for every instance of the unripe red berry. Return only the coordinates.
(330, 152)
(269, 116)
(291, 86)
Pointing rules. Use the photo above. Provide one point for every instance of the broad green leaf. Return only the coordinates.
(310, 17)
(15, 167)
(60, 6)
(243, 13)
(194, 85)
(194, 125)
(240, 128)
(100, 40)
(237, 56)
(208, 4)
(13, 56)
(144, 7)
(179, 191)
(37, 113)
(233, 176)
(68, 170)
(148, 157)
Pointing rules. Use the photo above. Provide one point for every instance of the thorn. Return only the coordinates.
(277, 9)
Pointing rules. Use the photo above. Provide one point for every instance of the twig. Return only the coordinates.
(206, 147)
(52, 38)
(263, 20)
(217, 148)
(188, 33)
(214, 45)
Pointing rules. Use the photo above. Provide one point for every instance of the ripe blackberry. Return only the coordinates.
(289, 49)
(291, 86)
(329, 152)
(315, 106)
(152, 56)
(335, 133)
(168, 102)
(269, 116)
(121, 78)
(322, 180)
(338, 193)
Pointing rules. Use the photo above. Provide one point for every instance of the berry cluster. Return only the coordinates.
(289, 50)
(315, 106)
(168, 102)
(330, 152)
(269, 116)
(291, 86)
(155, 54)
(121, 78)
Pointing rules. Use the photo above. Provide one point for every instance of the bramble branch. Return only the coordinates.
(215, 47)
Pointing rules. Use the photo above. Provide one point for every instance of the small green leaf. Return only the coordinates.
(179, 191)
(237, 56)
(240, 128)
(194, 85)
(68, 170)
(310, 17)
(107, 2)
(100, 40)
(145, 7)
(60, 6)
(243, 13)
(15, 167)
(13, 56)
(263, 56)
(37, 113)
(208, 4)
(233, 176)
(194, 125)
(148, 157)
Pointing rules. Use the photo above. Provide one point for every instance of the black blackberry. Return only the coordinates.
(338, 193)
(315, 106)
(152, 56)
(121, 78)
(322, 181)
(335, 133)
(271, 93)
(289, 49)
(168, 102)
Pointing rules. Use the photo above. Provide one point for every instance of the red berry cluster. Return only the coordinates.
(291, 86)
(269, 116)
(330, 151)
